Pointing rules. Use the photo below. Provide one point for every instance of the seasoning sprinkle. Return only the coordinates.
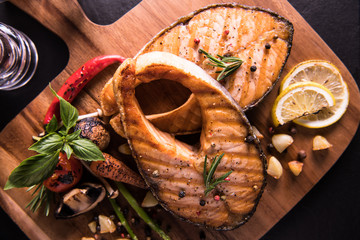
(202, 202)
(267, 46)
(216, 197)
(181, 194)
(196, 40)
(253, 68)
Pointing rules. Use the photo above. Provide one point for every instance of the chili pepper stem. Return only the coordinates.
(140, 211)
(122, 219)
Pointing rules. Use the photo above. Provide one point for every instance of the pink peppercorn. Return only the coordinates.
(226, 32)
(217, 198)
(227, 179)
(196, 40)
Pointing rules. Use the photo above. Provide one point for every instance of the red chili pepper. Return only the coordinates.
(78, 80)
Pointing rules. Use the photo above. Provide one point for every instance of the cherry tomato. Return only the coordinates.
(67, 174)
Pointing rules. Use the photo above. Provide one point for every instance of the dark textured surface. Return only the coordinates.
(331, 209)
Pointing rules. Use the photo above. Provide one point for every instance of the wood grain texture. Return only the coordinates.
(127, 36)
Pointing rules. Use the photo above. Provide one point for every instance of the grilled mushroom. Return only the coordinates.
(94, 129)
(80, 200)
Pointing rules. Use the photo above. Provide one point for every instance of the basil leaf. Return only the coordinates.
(63, 131)
(86, 150)
(33, 170)
(68, 150)
(52, 125)
(68, 113)
(73, 136)
(48, 144)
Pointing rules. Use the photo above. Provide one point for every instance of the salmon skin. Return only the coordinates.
(261, 38)
(173, 169)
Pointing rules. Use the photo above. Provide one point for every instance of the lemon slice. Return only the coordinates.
(326, 74)
(300, 99)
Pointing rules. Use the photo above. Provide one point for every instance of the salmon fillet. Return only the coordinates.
(174, 170)
(259, 37)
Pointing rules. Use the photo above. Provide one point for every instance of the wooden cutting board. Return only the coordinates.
(126, 37)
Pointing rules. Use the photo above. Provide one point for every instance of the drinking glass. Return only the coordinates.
(18, 58)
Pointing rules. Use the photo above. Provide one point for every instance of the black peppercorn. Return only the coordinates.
(202, 202)
(267, 46)
(253, 68)
(270, 147)
(182, 194)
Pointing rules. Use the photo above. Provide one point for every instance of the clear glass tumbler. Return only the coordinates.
(18, 58)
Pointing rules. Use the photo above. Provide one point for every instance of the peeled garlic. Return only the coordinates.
(296, 167)
(281, 141)
(106, 224)
(320, 143)
(274, 168)
(124, 149)
(149, 200)
(92, 226)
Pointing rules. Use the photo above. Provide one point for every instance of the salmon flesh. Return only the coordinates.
(261, 38)
(173, 169)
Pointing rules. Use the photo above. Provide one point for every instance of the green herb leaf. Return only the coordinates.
(69, 114)
(73, 136)
(229, 64)
(86, 150)
(33, 170)
(209, 181)
(43, 195)
(68, 150)
(52, 125)
(48, 144)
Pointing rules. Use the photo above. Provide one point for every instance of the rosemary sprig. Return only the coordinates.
(210, 182)
(229, 64)
(43, 195)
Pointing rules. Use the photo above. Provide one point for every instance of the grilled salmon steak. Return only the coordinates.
(173, 169)
(259, 37)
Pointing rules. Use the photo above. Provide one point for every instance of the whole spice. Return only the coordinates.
(181, 194)
(196, 40)
(267, 46)
(253, 68)
(301, 155)
(78, 80)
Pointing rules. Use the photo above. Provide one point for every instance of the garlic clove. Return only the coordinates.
(320, 143)
(274, 168)
(281, 141)
(92, 226)
(106, 224)
(149, 200)
(296, 167)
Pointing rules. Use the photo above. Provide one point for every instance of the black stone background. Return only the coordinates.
(329, 211)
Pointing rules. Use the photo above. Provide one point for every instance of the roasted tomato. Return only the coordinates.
(66, 175)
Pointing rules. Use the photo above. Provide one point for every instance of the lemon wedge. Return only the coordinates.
(300, 99)
(326, 74)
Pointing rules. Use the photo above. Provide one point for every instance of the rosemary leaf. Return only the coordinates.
(229, 64)
(209, 181)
